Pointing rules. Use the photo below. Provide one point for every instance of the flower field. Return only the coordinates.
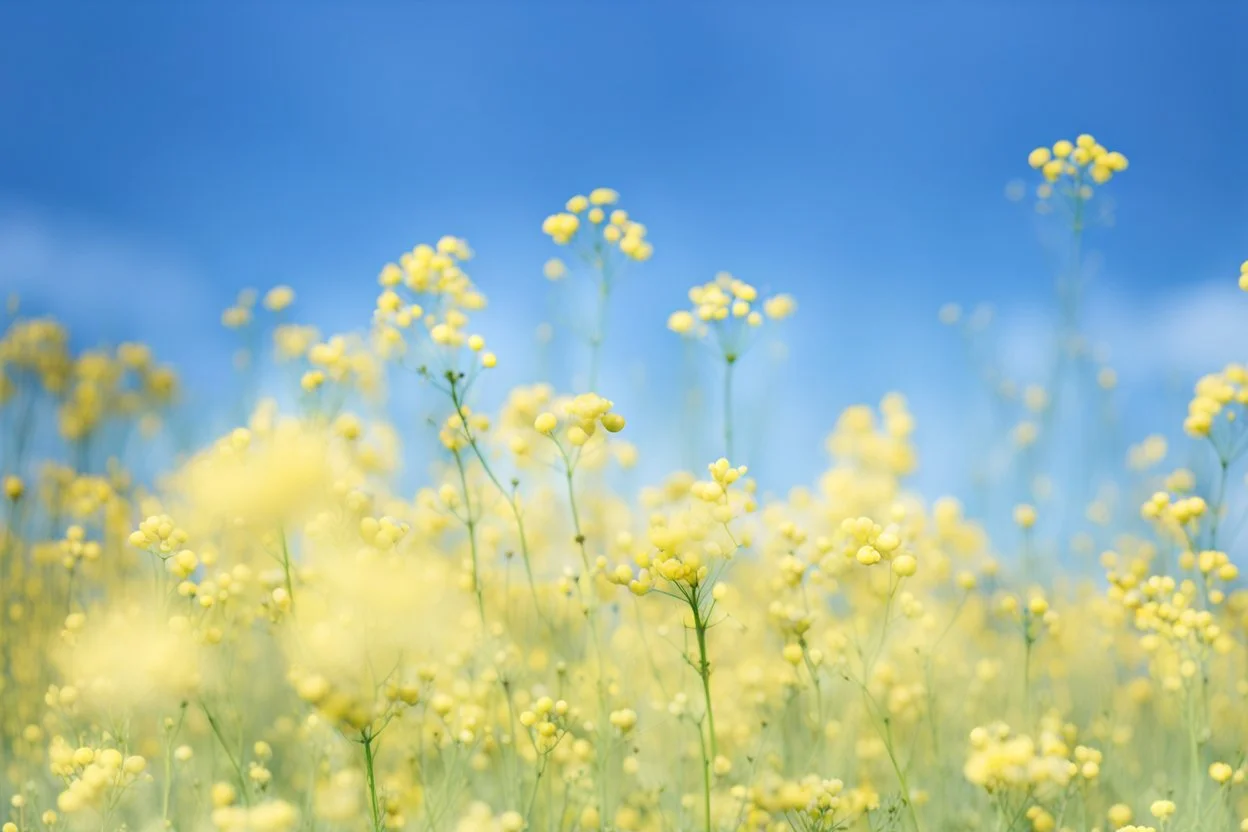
(273, 634)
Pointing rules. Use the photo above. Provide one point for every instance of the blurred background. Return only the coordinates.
(155, 159)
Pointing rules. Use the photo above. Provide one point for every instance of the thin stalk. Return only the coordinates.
(1028, 641)
(470, 521)
(229, 753)
(1223, 464)
(168, 785)
(729, 362)
(704, 671)
(591, 613)
(600, 333)
(508, 496)
(366, 740)
(286, 570)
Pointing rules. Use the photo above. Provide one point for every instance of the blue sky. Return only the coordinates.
(156, 158)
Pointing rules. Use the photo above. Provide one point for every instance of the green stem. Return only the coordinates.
(286, 571)
(591, 613)
(1027, 643)
(168, 790)
(704, 671)
(509, 497)
(1223, 465)
(471, 522)
(600, 333)
(229, 754)
(366, 739)
(729, 362)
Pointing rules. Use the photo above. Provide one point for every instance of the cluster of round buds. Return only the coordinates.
(278, 298)
(547, 722)
(615, 229)
(158, 535)
(75, 547)
(61, 697)
(811, 803)
(1034, 613)
(790, 619)
(394, 313)
(480, 818)
(792, 570)
(725, 300)
(1041, 818)
(1217, 394)
(1000, 760)
(825, 799)
(1078, 161)
(90, 773)
(1165, 608)
(347, 710)
(453, 435)
(723, 475)
(269, 816)
(435, 272)
(292, 341)
(674, 562)
(239, 315)
(1177, 517)
(868, 543)
(1224, 773)
(339, 360)
(715, 491)
(1089, 761)
(1213, 565)
(1144, 455)
(623, 720)
(39, 346)
(383, 532)
(684, 550)
(582, 416)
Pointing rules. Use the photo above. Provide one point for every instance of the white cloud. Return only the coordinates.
(1185, 331)
(102, 281)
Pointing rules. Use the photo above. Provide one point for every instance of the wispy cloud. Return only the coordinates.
(105, 283)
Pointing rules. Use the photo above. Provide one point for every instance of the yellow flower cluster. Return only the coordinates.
(582, 416)
(38, 347)
(586, 224)
(439, 294)
(92, 775)
(724, 304)
(1001, 760)
(1219, 400)
(1079, 161)
(867, 542)
(345, 362)
(687, 547)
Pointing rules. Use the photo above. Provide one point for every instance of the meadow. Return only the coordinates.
(273, 635)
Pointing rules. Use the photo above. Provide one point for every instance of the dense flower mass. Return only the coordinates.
(273, 635)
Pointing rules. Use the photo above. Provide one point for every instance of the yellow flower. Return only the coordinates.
(554, 269)
(603, 196)
(1162, 809)
(278, 298)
